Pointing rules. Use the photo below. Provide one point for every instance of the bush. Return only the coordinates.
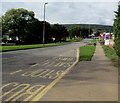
(117, 46)
(117, 31)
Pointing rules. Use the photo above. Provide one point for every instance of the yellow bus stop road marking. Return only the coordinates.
(44, 91)
(15, 72)
(39, 95)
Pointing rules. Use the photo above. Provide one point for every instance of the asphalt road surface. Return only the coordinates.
(28, 74)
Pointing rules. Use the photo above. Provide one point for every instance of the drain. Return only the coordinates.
(32, 63)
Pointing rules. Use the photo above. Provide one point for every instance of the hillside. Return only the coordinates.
(95, 27)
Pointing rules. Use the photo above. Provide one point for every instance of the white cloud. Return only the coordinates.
(60, 0)
(69, 12)
(100, 13)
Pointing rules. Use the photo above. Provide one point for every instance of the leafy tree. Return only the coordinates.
(29, 30)
(86, 32)
(33, 32)
(15, 23)
(97, 33)
(48, 32)
(0, 28)
(59, 32)
(74, 31)
(117, 31)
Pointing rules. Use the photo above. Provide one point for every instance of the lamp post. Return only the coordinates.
(80, 34)
(89, 29)
(44, 25)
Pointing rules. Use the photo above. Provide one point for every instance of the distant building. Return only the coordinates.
(108, 39)
(7, 37)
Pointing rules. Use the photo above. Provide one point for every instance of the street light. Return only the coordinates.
(80, 34)
(44, 25)
(89, 29)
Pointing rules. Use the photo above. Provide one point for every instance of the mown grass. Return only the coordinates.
(92, 42)
(110, 53)
(74, 40)
(21, 47)
(86, 53)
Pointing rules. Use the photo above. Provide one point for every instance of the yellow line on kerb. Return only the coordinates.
(43, 92)
(34, 65)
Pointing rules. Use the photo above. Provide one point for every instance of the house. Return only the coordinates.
(108, 39)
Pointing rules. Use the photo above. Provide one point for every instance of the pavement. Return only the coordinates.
(95, 80)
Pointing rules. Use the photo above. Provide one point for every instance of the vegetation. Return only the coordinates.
(23, 28)
(92, 42)
(59, 32)
(97, 33)
(0, 28)
(86, 53)
(111, 53)
(15, 23)
(74, 40)
(21, 47)
(76, 31)
(95, 27)
(117, 32)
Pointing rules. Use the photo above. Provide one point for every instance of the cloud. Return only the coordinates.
(100, 13)
(60, 0)
(69, 12)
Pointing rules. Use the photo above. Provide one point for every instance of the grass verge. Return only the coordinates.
(74, 40)
(110, 53)
(86, 53)
(92, 42)
(22, 47)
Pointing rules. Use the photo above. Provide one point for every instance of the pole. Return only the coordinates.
(89, 29)
(80, 34)
(44, 25)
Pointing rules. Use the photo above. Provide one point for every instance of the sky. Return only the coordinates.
(64, 12)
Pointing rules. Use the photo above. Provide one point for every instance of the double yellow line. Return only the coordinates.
(43, 92)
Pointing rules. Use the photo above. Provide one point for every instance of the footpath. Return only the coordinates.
(95, 80)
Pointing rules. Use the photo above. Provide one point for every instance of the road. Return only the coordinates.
(95, 80)
(28, 74)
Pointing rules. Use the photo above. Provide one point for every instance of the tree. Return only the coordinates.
(117, 31)
(97, 33)
(48, 32)
(59, 32)
(74, 31)
(33, 32)
(0, 27)
(86, 32)
(15, 23)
